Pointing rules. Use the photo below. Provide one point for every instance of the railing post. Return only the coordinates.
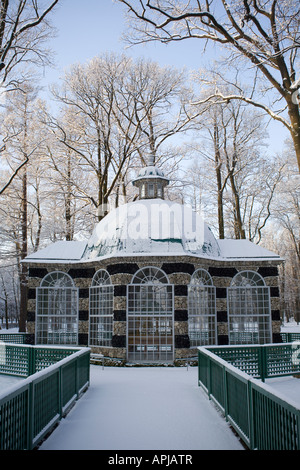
(31, 360)
(225, 392)
(60, 392)
(198, 368)
(209, 378)
(30, 417)
(251, 416)
(298, 426)
(263, 362)
(77, 377)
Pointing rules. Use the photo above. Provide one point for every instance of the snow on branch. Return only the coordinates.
(228, 98)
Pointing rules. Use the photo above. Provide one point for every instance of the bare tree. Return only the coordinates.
(285, 235)
(24, 29)
(236, 174)
(24, 32)
(265, 34)
(20, 125)
(288, 208)
(87, 126)
(68, 213)
(117, 110)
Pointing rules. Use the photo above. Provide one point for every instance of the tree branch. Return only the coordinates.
(226, 99)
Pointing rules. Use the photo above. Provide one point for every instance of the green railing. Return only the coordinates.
(16, 338)
(30, 410)
(263, 420)
(262, 361)
(289, 337)
(24, 360)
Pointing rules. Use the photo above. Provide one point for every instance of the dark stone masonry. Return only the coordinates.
(222, 277)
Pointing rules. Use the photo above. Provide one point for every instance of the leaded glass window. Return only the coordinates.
(57, 310)
(249, 311)
(150, 316)
(150, 275)
(101, 310)
(202, 309)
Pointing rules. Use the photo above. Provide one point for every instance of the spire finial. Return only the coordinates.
(151, 159)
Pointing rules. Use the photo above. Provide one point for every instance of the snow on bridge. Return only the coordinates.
(143, 408)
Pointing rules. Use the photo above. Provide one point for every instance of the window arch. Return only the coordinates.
(57, 279)
(201, 278)
(249, 311)
(101, 278)
(150, 275)
(101, 310)
(202, 309)
(150, 299)
(57, 310)
(247, 279)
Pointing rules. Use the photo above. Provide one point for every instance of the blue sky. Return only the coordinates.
(94, 27)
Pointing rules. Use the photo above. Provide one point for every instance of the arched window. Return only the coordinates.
(150, 316)
(101, 309)
(202, 309)
(247, 279)
(57, 310)
(249, 311)
(101, 278)
(57, 279)
(150, 275)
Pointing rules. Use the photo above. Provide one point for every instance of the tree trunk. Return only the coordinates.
(5, 300)
(220, 214)
(238, 224)
(23, 268)
(68, 196)
(293, 111)
(220, 187)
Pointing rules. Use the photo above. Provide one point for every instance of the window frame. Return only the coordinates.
(252, 324)
(50, 299)
(196, 317)
(159, 321)
(98, 289)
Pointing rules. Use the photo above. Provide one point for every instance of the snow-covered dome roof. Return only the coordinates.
(150, 227)
(150, 171)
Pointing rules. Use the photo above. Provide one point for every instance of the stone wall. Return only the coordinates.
(179, 271)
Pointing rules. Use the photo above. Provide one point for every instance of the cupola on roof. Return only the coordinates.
(151, 181)
(149, 172)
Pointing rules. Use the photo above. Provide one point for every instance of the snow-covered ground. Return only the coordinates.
(290, 327)
(143, 408)
(10, 330)
(7, 381)
(149, 408)
(288, 387)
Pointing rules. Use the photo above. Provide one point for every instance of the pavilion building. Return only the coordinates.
(152, 283)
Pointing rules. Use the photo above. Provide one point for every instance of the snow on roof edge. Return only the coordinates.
(158, 254)
(61, 250)
(72, 252)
